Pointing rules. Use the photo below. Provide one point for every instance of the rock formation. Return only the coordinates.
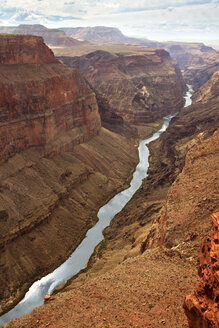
(52, 182)
(52, 37)
(202, 307)
(197, 60)
(138, 87)
(97, 34)
(41, 99)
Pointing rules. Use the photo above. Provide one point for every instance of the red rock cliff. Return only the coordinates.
(41, 100)
(202, 307)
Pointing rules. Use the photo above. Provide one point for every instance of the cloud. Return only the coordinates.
(152, 19)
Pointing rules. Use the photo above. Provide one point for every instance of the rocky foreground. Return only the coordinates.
(202, 307)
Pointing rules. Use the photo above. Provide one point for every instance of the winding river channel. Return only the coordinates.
(77, 261)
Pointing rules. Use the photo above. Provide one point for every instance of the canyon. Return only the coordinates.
(58, 166)
(54, 154)
(196, 60)
(139, 87)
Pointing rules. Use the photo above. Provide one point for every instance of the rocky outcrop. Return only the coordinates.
(52, 37)
(202, 307)
(42, 101)
(138, 87)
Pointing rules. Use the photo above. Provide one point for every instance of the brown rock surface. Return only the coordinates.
(41, 100)
(146, 291)
(202, 306)
(191, 199)
(138, 87)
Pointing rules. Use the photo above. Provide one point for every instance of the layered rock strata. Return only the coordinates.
(202, 307)
(197, 61)
(138, 87)
(41, 100)
(52, 182)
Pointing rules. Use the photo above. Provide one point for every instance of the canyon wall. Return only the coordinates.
(41, 100)
(58, 166)
(139, 87)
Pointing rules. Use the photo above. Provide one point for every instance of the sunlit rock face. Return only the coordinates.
(41, 101)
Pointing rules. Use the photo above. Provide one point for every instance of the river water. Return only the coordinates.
(188, 100)
(79, 258)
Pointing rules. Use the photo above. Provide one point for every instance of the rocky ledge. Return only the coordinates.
(202, 306)
(140, 87)
(41, 100)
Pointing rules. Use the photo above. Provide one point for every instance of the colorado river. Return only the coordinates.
(35, 295)
(188, 100)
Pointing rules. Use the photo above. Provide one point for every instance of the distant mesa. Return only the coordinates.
(53, 37)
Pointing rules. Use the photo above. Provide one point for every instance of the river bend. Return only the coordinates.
(77, 261)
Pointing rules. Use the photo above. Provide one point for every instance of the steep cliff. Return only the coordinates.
(52, 182)
(41, 100)
(138, 87)
(202, 307)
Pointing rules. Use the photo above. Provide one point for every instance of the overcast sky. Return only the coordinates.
(153, 19)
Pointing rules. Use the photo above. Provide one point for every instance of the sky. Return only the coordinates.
(152, 19)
